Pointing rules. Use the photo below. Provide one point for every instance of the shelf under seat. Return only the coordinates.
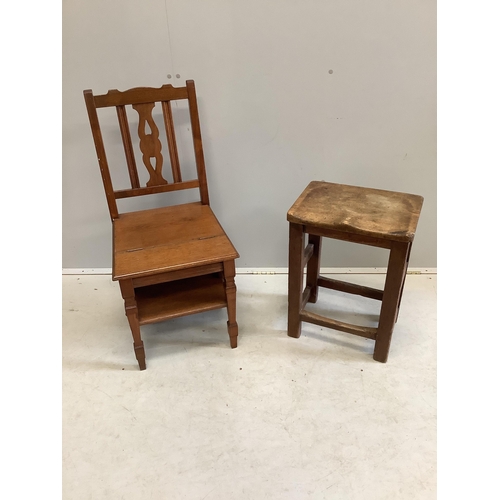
(180, 298)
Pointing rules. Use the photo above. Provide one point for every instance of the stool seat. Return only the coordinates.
(385, 219)
(357, 210)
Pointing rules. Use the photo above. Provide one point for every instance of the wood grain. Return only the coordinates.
(387, 215)
(150, 144)
(172, 143)
(127, 145)
(101, 153)
(197, 142)
(140, 95)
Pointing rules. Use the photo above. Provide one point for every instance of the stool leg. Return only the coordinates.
(232, 326)
(295, 278)
(313, 268)
(128, 295)
(393, 288)
(404, 278)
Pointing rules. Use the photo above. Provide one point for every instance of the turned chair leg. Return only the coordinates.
(393, 289)
(128, 295)
(313, 268)
(232, 325)
(295, 278)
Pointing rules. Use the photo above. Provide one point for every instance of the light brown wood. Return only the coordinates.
(174, 260)
(182, 274)
(360, 215)
(168, 239)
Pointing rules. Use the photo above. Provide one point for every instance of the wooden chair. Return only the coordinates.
(367, 216)
(174, 260)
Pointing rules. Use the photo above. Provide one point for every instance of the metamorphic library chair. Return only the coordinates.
(170, 261)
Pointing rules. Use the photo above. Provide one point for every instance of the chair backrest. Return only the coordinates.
(143, 101)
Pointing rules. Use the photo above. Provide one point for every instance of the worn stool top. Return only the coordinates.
(378, 213)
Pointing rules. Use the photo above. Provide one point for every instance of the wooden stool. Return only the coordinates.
(373, 217)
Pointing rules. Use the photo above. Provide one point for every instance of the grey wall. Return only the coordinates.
(289, 91)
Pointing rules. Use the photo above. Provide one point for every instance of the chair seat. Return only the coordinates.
(387, 215)
(168, 239)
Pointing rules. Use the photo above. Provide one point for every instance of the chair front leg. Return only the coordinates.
(230, 286)
(128, 294)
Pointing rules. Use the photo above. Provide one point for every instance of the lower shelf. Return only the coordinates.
(180, 298)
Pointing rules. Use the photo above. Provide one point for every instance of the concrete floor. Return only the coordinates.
(276, 418)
